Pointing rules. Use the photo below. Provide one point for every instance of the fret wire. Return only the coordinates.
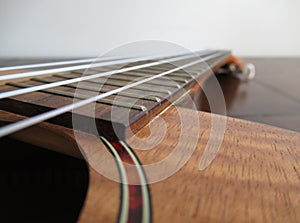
(153, 82)
(155, 69)
(81, 96)
(180, 78)
(191, 74)
(200, 54)
(204, 54)
(56, 84)
(60, 63)
(173, 78)
(185, 74)
(124, 77)
(112, 83)
(103, 90)
(152, 70)
(11, 128)
(163, 68)
(85, 66)
(181, 74)
(138, 74)
(63, 69)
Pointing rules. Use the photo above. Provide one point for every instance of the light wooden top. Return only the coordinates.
(254, 177)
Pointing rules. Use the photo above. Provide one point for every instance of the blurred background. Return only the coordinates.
(81, 28)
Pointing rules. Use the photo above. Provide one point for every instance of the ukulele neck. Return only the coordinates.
(138, 94)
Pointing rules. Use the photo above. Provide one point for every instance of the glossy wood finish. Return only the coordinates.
(285, 74)
(272, 97)
(41, 101)
(254, 177)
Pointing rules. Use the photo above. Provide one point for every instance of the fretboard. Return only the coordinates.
(138, 102)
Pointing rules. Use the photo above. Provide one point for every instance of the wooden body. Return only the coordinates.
(253, 178)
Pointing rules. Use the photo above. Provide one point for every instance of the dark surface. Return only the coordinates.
(38, 185)
(272, 97)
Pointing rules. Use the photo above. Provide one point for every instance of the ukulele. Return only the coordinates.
(152, 155)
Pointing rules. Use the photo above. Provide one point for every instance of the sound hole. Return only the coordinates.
(38, 185)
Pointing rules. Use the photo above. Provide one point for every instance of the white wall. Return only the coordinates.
(50, 28)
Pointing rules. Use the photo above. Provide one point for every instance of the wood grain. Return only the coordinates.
(37, 102)
(254, 177)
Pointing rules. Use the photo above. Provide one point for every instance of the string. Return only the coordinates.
(78, 67)
(89, 77)
(17, 126)
(59, 63)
